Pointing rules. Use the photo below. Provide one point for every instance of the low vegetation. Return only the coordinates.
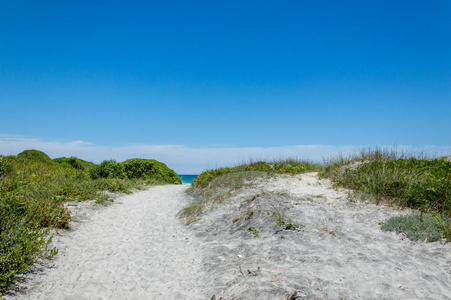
(34, 189)
(215, 186)
(283, 223)
(401, 180)
(383, 176)
(420, 226)
(288, 166)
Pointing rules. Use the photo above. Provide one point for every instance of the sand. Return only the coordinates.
(136, 248)
(340, 253)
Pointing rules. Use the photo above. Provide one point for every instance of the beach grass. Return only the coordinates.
(383, 176)
(34, 189)
(398, 179)
(217, 185)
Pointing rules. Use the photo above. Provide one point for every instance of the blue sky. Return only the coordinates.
(241, 78)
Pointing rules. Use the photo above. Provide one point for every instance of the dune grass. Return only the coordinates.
(286, 166)
(34, 188)
(216, 186)
(219, 189)
(384, 176)
(398, 179)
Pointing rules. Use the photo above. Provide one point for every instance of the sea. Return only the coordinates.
(188, 178)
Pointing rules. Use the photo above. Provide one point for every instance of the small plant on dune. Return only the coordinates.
(420, 226)
(286, 224)
(331, 232)
(254, 231)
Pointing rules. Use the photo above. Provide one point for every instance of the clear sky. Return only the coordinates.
(223, 76)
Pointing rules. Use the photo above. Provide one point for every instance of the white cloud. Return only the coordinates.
(191, 160)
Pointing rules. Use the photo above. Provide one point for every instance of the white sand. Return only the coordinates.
(139, 250)
(133, 249)
(340, 254)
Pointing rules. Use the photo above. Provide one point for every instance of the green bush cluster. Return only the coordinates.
(74, 162)
(133, 169)
(290, 166)
(34, 155)
(107, 169)
(34, 188)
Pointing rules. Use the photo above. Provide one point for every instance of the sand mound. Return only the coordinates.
(337, 250)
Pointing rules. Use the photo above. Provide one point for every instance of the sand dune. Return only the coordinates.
(137, 249)
(340, 253)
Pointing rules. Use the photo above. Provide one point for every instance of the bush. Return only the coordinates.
(149, 168)
(20, 246)
(107, 169)
(74, 162)
(5, 166)
(34, 155)
(135, 168)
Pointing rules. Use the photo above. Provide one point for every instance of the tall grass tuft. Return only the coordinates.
(401, 179)
(423, 184)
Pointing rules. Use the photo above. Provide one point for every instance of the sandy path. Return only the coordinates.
(134, 249)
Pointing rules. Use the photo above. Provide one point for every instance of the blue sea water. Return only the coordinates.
(188, 178)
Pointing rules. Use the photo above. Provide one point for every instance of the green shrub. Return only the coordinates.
(149, 168)
(419, 226)
(135, 168)
(107, 169)
(34, 155)
(5, 166)
(74, 162)
(20, 246)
